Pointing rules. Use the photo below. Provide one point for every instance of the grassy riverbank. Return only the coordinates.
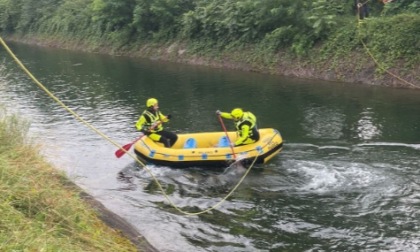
(41, 210)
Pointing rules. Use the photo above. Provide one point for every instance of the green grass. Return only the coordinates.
(40, 209)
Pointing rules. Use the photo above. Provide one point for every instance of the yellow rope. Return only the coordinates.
(54, 97)
(116, 144)
(380, 66)
(206, 210)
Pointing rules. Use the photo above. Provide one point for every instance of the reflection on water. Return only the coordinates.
(347, 179)
(324, 123)
(366, 127)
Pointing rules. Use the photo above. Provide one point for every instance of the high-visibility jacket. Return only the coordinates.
(149, 121)
(246, 128)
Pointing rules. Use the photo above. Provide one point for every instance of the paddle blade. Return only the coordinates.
(120, 152)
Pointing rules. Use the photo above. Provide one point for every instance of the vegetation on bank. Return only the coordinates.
(40, 209)
(263, 35)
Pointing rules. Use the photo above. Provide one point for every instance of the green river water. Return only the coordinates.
(347, 179)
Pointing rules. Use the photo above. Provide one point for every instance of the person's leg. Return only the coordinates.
(255, 137)
(165, 141)
(255, 134)
(365, 11)
(170, 137)
(158, 137)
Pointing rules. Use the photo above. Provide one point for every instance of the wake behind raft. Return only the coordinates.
(209, 149)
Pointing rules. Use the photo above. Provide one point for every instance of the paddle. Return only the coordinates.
(227, 136)
(120, 152)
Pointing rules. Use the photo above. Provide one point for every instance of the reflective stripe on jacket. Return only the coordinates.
(250, 120)
(148, 119)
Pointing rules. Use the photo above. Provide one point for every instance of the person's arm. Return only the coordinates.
(164, 118)
(244, 135)
(226, 115)
(140, 123)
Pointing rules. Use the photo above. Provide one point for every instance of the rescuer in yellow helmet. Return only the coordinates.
(245, 123)
(150, 123)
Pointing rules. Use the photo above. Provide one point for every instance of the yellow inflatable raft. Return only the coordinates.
(209, 149)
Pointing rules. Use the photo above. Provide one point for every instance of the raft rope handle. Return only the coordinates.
(380, 66)
(39, 84)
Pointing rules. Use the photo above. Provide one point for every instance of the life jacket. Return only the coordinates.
(152, 118)
(249, 119)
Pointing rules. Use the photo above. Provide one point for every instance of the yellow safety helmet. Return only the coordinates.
(237, 113)
(151, 102)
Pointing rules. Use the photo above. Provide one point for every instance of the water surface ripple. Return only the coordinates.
(347, 179)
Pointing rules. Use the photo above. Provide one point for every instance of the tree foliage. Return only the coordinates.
(69, 18)
(160, 18)
(397, 7)
(293, 25)
(113, 15)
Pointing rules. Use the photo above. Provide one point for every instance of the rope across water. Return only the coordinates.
(369, 53)
(104, 136)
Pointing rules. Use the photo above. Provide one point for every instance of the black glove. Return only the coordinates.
(169, 116)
